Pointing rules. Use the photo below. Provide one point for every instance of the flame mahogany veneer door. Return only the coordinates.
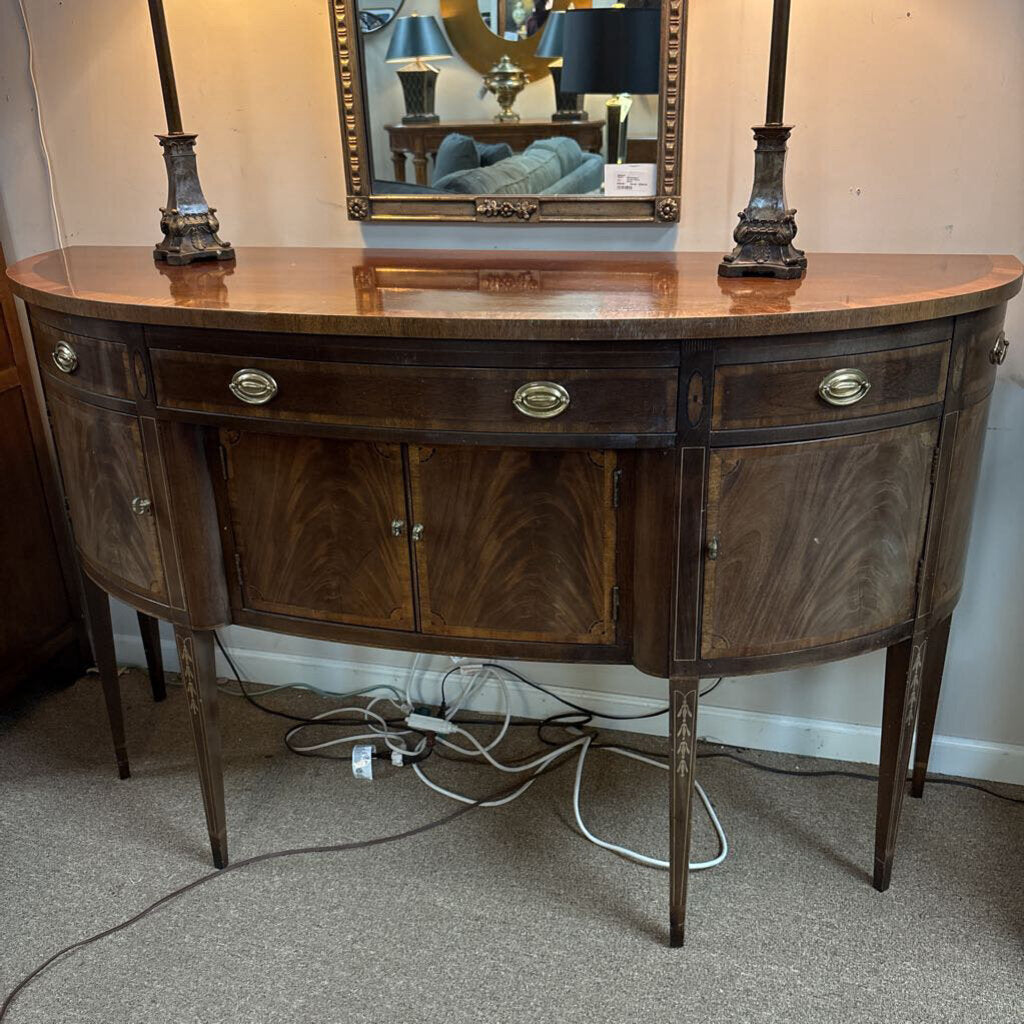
(312, 525)
(103, 463)
(516, 544)
(817, 541)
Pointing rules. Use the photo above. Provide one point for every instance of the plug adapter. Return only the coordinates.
(427, 723)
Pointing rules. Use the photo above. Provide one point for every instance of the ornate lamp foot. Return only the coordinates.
(188, 223)
(767, 227)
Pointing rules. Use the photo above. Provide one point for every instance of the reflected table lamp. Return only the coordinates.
(568, 105)
(616, 51)
(417, 40)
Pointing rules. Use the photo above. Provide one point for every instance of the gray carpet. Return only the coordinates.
(503, 915)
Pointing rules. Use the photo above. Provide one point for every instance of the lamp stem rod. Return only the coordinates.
(777, 62)
(163, 59)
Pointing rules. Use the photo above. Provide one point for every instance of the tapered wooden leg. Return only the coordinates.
(934, 663)
(683, 738)
(198, 674)
(904, 671)
(419, 163)
(101, 632)
(150, 630)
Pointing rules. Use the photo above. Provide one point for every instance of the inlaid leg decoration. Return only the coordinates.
(97, 610)
(683, 737)
(904, 673)
(934, 663)
(198, 674)
(150, 630)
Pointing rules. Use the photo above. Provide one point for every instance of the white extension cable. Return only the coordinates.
(395, 740)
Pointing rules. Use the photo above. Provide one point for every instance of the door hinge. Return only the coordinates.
(223, 461)
(936, 454)
(238, 571)
(616, 487)
(615, 603)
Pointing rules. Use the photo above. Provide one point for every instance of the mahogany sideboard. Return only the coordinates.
(611, 458)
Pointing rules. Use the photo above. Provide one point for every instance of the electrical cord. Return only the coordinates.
(846, 774)
(577, 717)
(238, 866)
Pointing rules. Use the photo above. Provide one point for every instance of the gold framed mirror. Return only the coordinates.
(481, 118)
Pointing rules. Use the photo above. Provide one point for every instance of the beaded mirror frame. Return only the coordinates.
(363, 205)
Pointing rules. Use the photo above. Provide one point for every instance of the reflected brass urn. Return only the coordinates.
(506, 80)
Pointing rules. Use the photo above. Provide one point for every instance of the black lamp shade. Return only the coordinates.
(550, 45)
(612, 50)
(417, 38)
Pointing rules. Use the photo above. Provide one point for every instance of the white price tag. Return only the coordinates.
(629, 179)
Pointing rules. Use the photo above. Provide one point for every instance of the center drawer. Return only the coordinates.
(483, 400)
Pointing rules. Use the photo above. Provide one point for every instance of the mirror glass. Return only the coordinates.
(463, 98)
(514, 20)
(373, 16)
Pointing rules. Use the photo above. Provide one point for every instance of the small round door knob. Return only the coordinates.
(142, 506)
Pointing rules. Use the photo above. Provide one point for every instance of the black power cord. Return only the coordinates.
(250, 862)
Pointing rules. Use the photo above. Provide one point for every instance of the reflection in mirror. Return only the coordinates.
(497, 121)
(513, 20)
(374, 16)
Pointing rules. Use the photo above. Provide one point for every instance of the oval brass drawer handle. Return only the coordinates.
(998, 354)
(844, 387)
(254, 387)
(65, 358)
(541, 399)
(142, 506)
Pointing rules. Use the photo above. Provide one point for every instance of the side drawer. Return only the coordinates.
(754, 395)
(99, 367)
(638, 400)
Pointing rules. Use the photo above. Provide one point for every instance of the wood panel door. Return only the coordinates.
(515, 544)
(103, 464)
(814, 542)
(319, 528)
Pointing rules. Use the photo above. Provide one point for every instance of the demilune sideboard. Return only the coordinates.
(610, 458)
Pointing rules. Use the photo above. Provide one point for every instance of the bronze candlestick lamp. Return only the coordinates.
(188, 222)
(767, 227)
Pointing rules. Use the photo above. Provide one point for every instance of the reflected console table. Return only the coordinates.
(608, 458)
(423, 140)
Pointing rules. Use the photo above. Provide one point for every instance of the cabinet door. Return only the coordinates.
(814, 542)
(312, 523)
(103, 465)
(515, 544)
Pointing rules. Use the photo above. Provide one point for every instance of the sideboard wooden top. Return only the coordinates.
(508, 295)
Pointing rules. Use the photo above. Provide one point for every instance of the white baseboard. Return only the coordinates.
(839, 741)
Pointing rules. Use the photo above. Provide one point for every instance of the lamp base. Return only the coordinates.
(767, 227)
(617, 108)
(568, 105)
(188, 222)
(419, 86)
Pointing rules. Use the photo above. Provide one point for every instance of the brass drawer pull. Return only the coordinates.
(844, 387)
(397, 527)
(417, 531)
(712, 551)
(65, 358)
(142, 506)
(254, 387)
(998, 354)
(541, 399)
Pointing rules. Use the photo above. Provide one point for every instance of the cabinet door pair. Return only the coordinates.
(514, 544)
